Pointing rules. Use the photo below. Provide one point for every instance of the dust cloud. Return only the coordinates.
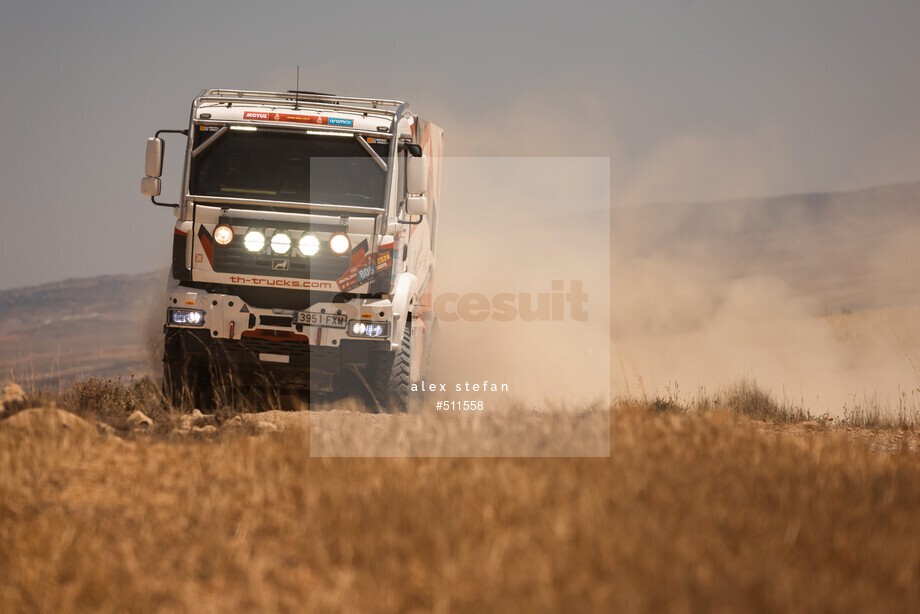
(529, 239)
(814, 296)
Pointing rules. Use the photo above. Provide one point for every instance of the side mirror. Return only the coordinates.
(153, 165)
(153, 168)
(150, 186)
(417, 175)
(153, 161)
(416, 205)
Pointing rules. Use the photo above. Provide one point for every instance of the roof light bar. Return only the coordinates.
(329, 133)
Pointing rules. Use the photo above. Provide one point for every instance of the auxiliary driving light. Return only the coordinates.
(339, 243)
(186, 317)
(357, 328)
(254, 241)
(281, 243)
(308, 245)
(223, 234)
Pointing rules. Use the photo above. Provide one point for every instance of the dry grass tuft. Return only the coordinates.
(873, 413)
(112, 401)
(744, 397)
(14, 400)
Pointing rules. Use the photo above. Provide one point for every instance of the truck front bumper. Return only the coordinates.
(226, 316)
(269, 343)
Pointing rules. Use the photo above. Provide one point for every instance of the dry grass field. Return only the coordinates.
(695, 510)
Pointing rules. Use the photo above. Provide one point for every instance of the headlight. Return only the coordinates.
(186, 317)
(254, 241)
(308, 245)
(357, 328)
(281, 243)
(339, 243)
(223, 234)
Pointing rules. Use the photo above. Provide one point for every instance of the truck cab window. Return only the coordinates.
(288, 166)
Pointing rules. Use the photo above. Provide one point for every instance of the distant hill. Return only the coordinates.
(847, 250)
(100, 326)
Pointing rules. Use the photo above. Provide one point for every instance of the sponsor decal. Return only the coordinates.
(281, 264)
(199, 257)
(365, 270)
(304, 284)
(298, 119)
(357, 253)
(387, 251)
(348, 280)
(383, 260)
(207, 244)
(302, 119)
(373, 140)
(244, 309)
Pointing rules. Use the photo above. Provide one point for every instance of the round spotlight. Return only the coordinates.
(308, 245)
(281, 243)
(254, 241)
(339, 243)
(223, 234)
(358, 328)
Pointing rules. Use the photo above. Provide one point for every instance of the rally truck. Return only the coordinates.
(303, 251)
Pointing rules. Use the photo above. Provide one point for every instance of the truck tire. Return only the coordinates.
(390, 377)
(176, 391)
(186, 384)
(400, 375)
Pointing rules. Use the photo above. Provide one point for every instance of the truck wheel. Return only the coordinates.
(390, 377)
(176, 390)
(400, 375)
(186, 384)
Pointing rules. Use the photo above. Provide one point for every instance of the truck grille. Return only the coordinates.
(244, 354)
(248, 350)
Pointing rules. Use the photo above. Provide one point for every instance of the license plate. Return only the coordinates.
(321, 320)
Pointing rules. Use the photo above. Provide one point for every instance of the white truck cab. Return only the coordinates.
(303, 252)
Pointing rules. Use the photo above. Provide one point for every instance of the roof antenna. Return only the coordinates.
(297, 89)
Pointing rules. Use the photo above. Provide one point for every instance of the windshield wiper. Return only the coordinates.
(373, 153)
(211, 140)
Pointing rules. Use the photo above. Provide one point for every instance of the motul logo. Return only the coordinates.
(255, 115)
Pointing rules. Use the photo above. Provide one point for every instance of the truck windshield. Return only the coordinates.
(288, 166)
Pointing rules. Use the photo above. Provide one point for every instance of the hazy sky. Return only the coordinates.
(691, 100)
